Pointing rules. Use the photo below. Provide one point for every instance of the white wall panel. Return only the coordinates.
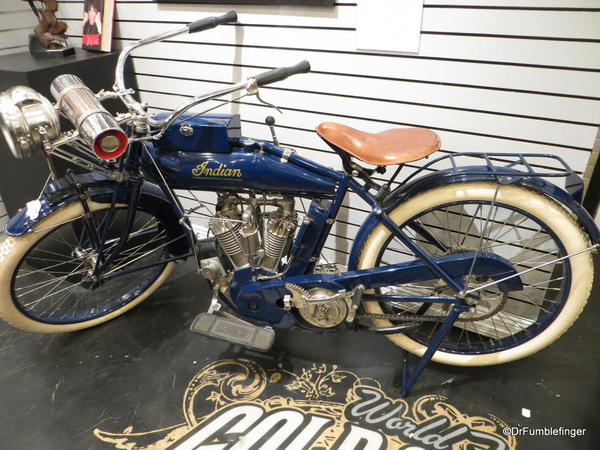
(16, 22)
(247, 14)
(552, 24)
(569, 24)
(537, 4)
(3, 216)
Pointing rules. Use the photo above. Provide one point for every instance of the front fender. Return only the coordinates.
(100, 189)
(463, 175)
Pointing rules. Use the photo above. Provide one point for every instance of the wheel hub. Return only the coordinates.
(488, 303)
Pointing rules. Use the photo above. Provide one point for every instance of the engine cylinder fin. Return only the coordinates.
(227, 233)
(277, 242)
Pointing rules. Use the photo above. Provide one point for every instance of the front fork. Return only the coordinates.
(96, 234)
(132, 181)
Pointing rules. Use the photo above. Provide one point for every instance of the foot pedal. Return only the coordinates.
(237, 332)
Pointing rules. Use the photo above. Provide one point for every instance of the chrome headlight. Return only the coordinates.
(27, 118)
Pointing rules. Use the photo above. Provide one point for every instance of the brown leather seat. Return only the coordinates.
(395, 146)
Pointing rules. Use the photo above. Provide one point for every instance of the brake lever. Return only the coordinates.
(253, 90)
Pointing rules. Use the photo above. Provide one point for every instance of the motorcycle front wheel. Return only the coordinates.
(45, 283)
(524, 227)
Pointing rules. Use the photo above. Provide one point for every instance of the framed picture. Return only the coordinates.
(97, 24)
(256, 2)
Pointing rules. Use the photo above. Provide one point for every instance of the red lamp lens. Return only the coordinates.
(110, 144)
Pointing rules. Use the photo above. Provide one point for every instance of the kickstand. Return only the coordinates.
(409, 378)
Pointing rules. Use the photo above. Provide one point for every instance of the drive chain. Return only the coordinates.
(430, 318)
(402, 317)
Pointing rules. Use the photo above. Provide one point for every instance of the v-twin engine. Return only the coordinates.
(254, 231)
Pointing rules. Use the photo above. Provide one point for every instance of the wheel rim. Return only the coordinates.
(509, 232)
(51, 282)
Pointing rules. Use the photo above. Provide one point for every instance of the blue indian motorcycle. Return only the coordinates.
(467, 265)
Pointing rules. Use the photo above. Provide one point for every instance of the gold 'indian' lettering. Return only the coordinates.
(202, 170)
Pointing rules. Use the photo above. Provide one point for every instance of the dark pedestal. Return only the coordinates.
(22, 179)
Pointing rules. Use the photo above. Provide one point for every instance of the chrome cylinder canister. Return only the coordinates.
(94, 123)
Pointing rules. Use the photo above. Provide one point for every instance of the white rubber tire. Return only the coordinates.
(548, 211)
(12, 251)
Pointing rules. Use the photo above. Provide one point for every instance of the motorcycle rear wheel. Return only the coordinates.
(42, 286)
(569, 283)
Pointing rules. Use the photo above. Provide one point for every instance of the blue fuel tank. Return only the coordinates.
(206, 133)
(225, 162)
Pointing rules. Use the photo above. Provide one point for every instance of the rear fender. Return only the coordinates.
(470, 174)
(100, 189)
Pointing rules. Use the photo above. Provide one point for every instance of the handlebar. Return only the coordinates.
(211, 22)
(281, 73)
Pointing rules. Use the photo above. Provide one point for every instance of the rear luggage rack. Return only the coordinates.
(510, 169)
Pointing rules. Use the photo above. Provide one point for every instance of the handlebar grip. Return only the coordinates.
(281, 73)
(211, 22)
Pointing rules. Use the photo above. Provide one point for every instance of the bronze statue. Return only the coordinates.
(49, 37)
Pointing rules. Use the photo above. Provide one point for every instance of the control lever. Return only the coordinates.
(270, 121)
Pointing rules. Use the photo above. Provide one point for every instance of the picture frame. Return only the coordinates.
(98, 16)
(321, 3)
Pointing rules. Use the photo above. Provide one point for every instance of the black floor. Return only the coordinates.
(126, 384)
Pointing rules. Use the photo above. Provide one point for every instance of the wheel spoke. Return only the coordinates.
(134, 250)
(30, 272)
(50, 252)
(44, 283)
(544, 282)
(52, 292)
(115, 241)
(59, 302)
(522, 263)
(58, 280)
(114, 269)
(483, 228)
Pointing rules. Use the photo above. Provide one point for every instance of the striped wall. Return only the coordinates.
(495, 76)
(3, 216)
(16, 22)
